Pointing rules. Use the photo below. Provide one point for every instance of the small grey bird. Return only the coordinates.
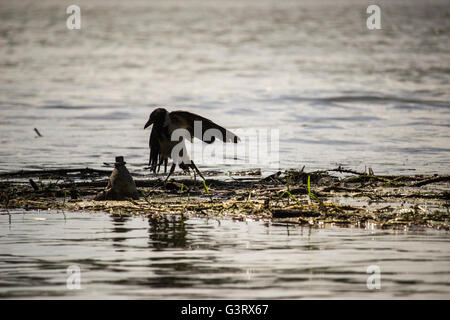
(120, 185)
(161, 144)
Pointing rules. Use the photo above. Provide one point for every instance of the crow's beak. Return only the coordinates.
(149, 122)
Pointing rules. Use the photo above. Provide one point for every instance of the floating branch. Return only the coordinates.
(342, 201)
(433, 180)
(82, 171)
(37, 132)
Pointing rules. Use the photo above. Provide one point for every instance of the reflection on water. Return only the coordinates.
(168, 232)
(175, 257)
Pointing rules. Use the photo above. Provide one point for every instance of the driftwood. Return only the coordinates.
(432, 180)
(60, 172)
(337, 196)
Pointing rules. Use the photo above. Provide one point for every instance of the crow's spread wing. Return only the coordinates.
(155, 149)
(186, 120)
(156, 156)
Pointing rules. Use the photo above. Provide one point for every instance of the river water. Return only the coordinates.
(138, 258)
(333, 92)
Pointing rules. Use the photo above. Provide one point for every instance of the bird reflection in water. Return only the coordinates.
(163, 231)
(119, 229)
(167, 232)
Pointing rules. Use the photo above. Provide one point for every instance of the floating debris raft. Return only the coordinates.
(319, 198)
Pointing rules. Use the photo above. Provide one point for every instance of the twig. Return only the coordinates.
(433, 180)
(55, 171)
(38, 133)
(34, 185)
(340, 169)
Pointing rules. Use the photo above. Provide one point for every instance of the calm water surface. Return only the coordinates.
(135, 257)
(337, 92)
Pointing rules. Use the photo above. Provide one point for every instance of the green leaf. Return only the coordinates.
(310, 194)
(206, 187)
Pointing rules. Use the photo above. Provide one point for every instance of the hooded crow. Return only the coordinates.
(164, 137)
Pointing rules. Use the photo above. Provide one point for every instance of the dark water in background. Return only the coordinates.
(338, 92)
(134, 257)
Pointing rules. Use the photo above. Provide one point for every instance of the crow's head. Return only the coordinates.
(158, 117)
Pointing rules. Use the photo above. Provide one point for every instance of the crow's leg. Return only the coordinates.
(165, 165)
(161, 160)
(193, 166)
(172, 169)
